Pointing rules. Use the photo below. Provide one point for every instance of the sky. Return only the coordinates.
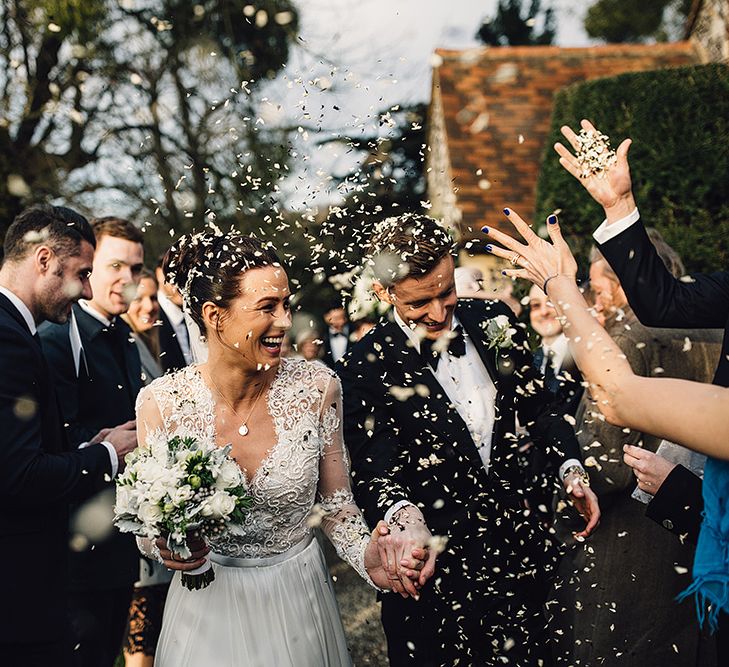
(357, 58)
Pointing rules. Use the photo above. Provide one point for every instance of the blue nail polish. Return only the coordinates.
(507, 211)
(552, 219)
(485, 230)
(503, 273)
(489, 248)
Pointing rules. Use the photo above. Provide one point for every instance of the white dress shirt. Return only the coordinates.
(558, 350)
(469, 388)
(606, 232)
(21, 308)
(28, 317)
(338, 343)
(177, 320)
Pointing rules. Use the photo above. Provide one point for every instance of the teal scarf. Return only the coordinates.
(711, 563)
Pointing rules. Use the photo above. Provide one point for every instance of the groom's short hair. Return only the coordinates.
(59, 227)
(407, 246)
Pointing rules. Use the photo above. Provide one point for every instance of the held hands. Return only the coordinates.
(540, 260)
(172, 562)
(585, 501)
(404, 551)
(613, 189)
(649, 468)
(123, 438)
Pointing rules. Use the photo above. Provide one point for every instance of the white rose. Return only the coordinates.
(123, 497)
(221, 504)
(183, 494)
(229, 475)
(150, 513)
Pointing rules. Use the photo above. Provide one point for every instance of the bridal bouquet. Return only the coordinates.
(180, 486)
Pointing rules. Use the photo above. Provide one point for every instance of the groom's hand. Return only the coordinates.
(403, 549)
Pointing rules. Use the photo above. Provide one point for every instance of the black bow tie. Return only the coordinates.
(455, 346)
(335, 334)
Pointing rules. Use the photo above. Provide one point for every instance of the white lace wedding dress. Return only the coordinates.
(272, 602)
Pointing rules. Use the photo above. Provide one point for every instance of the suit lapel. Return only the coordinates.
(478, 338)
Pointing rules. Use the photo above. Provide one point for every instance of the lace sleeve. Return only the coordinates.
(341, 519)
(148, 415)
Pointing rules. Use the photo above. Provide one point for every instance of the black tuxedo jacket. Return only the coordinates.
(327, 357)
(102, 396)
(171, 356)
(660, 300)
(39, 476)
(407, 442)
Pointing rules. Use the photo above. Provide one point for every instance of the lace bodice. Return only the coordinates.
(303, 480)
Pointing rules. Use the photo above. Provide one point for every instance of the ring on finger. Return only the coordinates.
(515, 259)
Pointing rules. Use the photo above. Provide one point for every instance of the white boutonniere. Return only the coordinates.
(500, 332)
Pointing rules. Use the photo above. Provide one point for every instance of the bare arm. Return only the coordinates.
(690, 413)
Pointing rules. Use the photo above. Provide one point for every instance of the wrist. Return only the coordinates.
(575, 471)
(622, 208)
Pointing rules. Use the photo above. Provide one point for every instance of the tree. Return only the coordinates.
(510, 28)
(636, 20)
(152, 106)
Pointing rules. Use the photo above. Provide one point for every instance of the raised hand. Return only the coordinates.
(613, 189)
(539, 260)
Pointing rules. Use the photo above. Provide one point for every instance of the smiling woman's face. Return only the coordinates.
(257, 319)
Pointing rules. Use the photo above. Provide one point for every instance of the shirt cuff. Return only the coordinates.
(396, 507)
(606, 232)
(113, 458)
(568, 464)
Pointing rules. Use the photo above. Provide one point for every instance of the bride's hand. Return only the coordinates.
(407, 584)
(173, 562)
(539, 260)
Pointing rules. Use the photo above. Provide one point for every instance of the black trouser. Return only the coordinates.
(55, 654)
(98, 620)
(484, 631)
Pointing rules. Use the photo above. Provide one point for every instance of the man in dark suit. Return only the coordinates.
(174, 338)
(659, 300)
(48, 257)
(96, 368)
(336, 342)
(430, 402)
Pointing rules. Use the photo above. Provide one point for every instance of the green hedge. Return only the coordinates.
(679, 122)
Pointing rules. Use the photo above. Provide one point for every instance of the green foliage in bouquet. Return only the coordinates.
(678, 120)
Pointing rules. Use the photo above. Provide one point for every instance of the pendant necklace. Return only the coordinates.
(243, 428)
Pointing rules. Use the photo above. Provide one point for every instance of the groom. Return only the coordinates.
(430, 407)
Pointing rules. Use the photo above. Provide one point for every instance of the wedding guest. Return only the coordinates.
(309, 345)
(685, 412)
(142, 318)
(362, 326)
(700, 302)
(552, 358)
(150, 591)
(430, 403)
(48, 257)
(469, 285)
(610, 626)
(174, 338)
(95, 365)
(336, 338)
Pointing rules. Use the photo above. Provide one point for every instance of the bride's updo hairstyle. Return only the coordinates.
(207, 266)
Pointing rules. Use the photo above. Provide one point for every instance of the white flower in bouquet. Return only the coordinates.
(179, 486)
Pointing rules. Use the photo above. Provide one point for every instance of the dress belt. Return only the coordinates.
(265, 561)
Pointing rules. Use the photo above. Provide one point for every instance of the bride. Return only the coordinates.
(272, 602)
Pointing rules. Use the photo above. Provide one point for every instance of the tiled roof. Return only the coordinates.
(496, 107)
